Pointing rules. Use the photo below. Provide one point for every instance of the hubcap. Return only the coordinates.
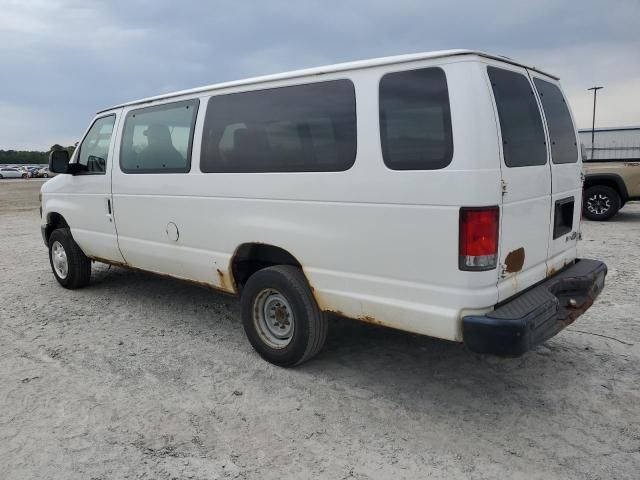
(59, 260)
(273, 318)
(598, 204)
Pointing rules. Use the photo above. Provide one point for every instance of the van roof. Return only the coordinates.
(338, 67)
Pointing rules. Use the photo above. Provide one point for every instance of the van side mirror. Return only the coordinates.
(59, 161)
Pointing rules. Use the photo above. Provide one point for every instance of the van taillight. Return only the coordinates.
(478, 238)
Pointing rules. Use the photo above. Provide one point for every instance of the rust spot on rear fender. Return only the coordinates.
(370, 319)
(326, 307)
(222, 279)
(514, 261)
(362, 318)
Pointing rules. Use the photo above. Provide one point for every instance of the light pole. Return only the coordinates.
(593, 121)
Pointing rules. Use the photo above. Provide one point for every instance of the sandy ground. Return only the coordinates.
(142, 377)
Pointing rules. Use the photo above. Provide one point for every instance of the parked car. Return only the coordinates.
(608, 185)
(44, 173)
(7, 172)
(28, 171)
(436, 193)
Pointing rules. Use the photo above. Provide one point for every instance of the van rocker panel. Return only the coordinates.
(538, 314)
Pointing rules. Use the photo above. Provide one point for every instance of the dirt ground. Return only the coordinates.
(139, 377)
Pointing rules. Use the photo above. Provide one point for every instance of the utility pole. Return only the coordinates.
(593, 121)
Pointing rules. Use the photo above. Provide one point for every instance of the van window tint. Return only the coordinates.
(302, 128)
(158, 139)
(562, 134)
(523, 141)
(415, 120)
(94, 149)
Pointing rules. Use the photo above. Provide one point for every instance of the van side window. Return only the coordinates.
(158, 139)
(301, 128)
(523, 141)
(94, 150)
(415, 120)
(562, 134)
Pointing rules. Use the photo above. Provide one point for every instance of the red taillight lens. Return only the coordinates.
(478, 238)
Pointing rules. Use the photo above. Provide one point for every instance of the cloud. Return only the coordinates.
(64, 59)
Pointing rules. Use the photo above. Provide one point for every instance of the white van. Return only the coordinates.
(436, 193)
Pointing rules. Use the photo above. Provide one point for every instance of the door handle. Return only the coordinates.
(107, 204)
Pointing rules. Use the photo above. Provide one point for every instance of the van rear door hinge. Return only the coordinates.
(504, 187)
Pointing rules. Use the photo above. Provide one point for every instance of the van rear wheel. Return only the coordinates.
(600, 203)
(280, 316)
(69, 264)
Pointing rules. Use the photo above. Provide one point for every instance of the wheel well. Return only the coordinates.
(54, 221)
(251, 257)
(608, 181)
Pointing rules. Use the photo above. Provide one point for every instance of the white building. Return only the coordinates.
(615, 143)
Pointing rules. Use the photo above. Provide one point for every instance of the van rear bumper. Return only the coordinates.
(538, 314)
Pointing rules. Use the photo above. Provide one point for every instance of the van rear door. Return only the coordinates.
(526, 181)
(566, 182)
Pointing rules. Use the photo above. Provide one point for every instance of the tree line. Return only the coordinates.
(26, 157)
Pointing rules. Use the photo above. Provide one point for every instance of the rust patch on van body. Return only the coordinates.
(221, 289)
(325, 307)
(370, 319)
(514, 261)
(362, 318)
(551, 271)
(222, 279)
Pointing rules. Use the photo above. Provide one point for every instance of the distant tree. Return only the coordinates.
(22, 157)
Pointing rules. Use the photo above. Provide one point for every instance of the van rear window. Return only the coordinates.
(301, 128)
(415, 120)
(562, 134)
(523, 141)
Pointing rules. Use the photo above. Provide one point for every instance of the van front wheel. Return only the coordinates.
(280, 316)
(69, 264)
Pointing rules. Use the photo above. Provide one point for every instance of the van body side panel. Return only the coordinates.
(375, 244)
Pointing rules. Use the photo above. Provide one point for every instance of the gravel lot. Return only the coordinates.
(142, 377)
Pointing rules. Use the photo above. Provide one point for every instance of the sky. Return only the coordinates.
(62, 60)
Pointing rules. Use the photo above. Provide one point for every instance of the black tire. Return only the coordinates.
(78, 265)
(309, 324)
(45, 175)
(600, 203)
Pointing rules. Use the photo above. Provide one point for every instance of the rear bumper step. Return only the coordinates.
(538, 314)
